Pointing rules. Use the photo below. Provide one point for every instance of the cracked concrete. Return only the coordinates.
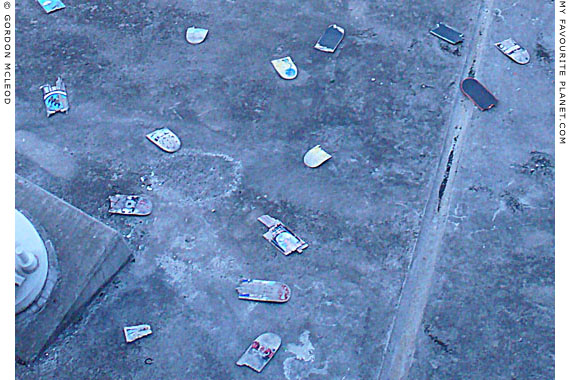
(244, 131)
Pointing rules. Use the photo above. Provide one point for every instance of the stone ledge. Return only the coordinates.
(89, 254)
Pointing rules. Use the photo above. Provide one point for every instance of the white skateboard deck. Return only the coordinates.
(196, 36)
(133, 333)
(514, 51)
(315, 157)
(263, 291)
(165, 139)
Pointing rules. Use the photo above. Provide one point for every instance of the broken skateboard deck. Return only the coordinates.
(514, 51)
(447, 34)
(130, 205)
(263, 291)
(133, 333)
(281, 237)
(55, 97)
(285, 68)
(315, 157)
(478, 94)
(260, 352)
(51, 5)
(330, 39)
(196, 35)
(165, 139)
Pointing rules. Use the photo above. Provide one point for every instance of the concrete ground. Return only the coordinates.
(415, 268)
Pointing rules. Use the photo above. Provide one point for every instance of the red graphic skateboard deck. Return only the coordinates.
(260, 352)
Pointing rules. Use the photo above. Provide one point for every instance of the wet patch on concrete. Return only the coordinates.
(198, 177)
(302, 365)
(543, 54)
(539, 164)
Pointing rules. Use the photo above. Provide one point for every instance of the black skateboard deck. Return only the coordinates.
(330, 39)
(478, 94)
(447, 34)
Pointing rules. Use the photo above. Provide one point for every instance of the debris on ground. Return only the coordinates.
(315, 157)
(456, 51)
(285, 68)
(447, 34)
(263, 291)
(330, 39)
(147, 181)
(196, 35)
(133, 333)
(165, 139)
(51, 5)
(281, 237)
(514, 51)
(260, 352)
(148, 361)
(55, 97)
(478, 94)
(130, 205)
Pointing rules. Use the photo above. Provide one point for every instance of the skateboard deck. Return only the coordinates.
(51, 5)
(514, 51)
(55, 97)
(133, 333)
(260, 352)
(281, 237)
(263, 291)
(130, 205)
(196, 35)
(285, 68)
(447, 34)
(478, 94)
(315, 157)
(165, 139)
(330, 39)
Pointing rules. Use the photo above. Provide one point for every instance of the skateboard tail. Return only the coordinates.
(242, 362)
(315, 157)
(285, 67)
(195, 35)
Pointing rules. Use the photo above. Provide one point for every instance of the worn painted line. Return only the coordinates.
(399, 352)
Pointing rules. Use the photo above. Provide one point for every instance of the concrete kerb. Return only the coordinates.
(89, 254)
